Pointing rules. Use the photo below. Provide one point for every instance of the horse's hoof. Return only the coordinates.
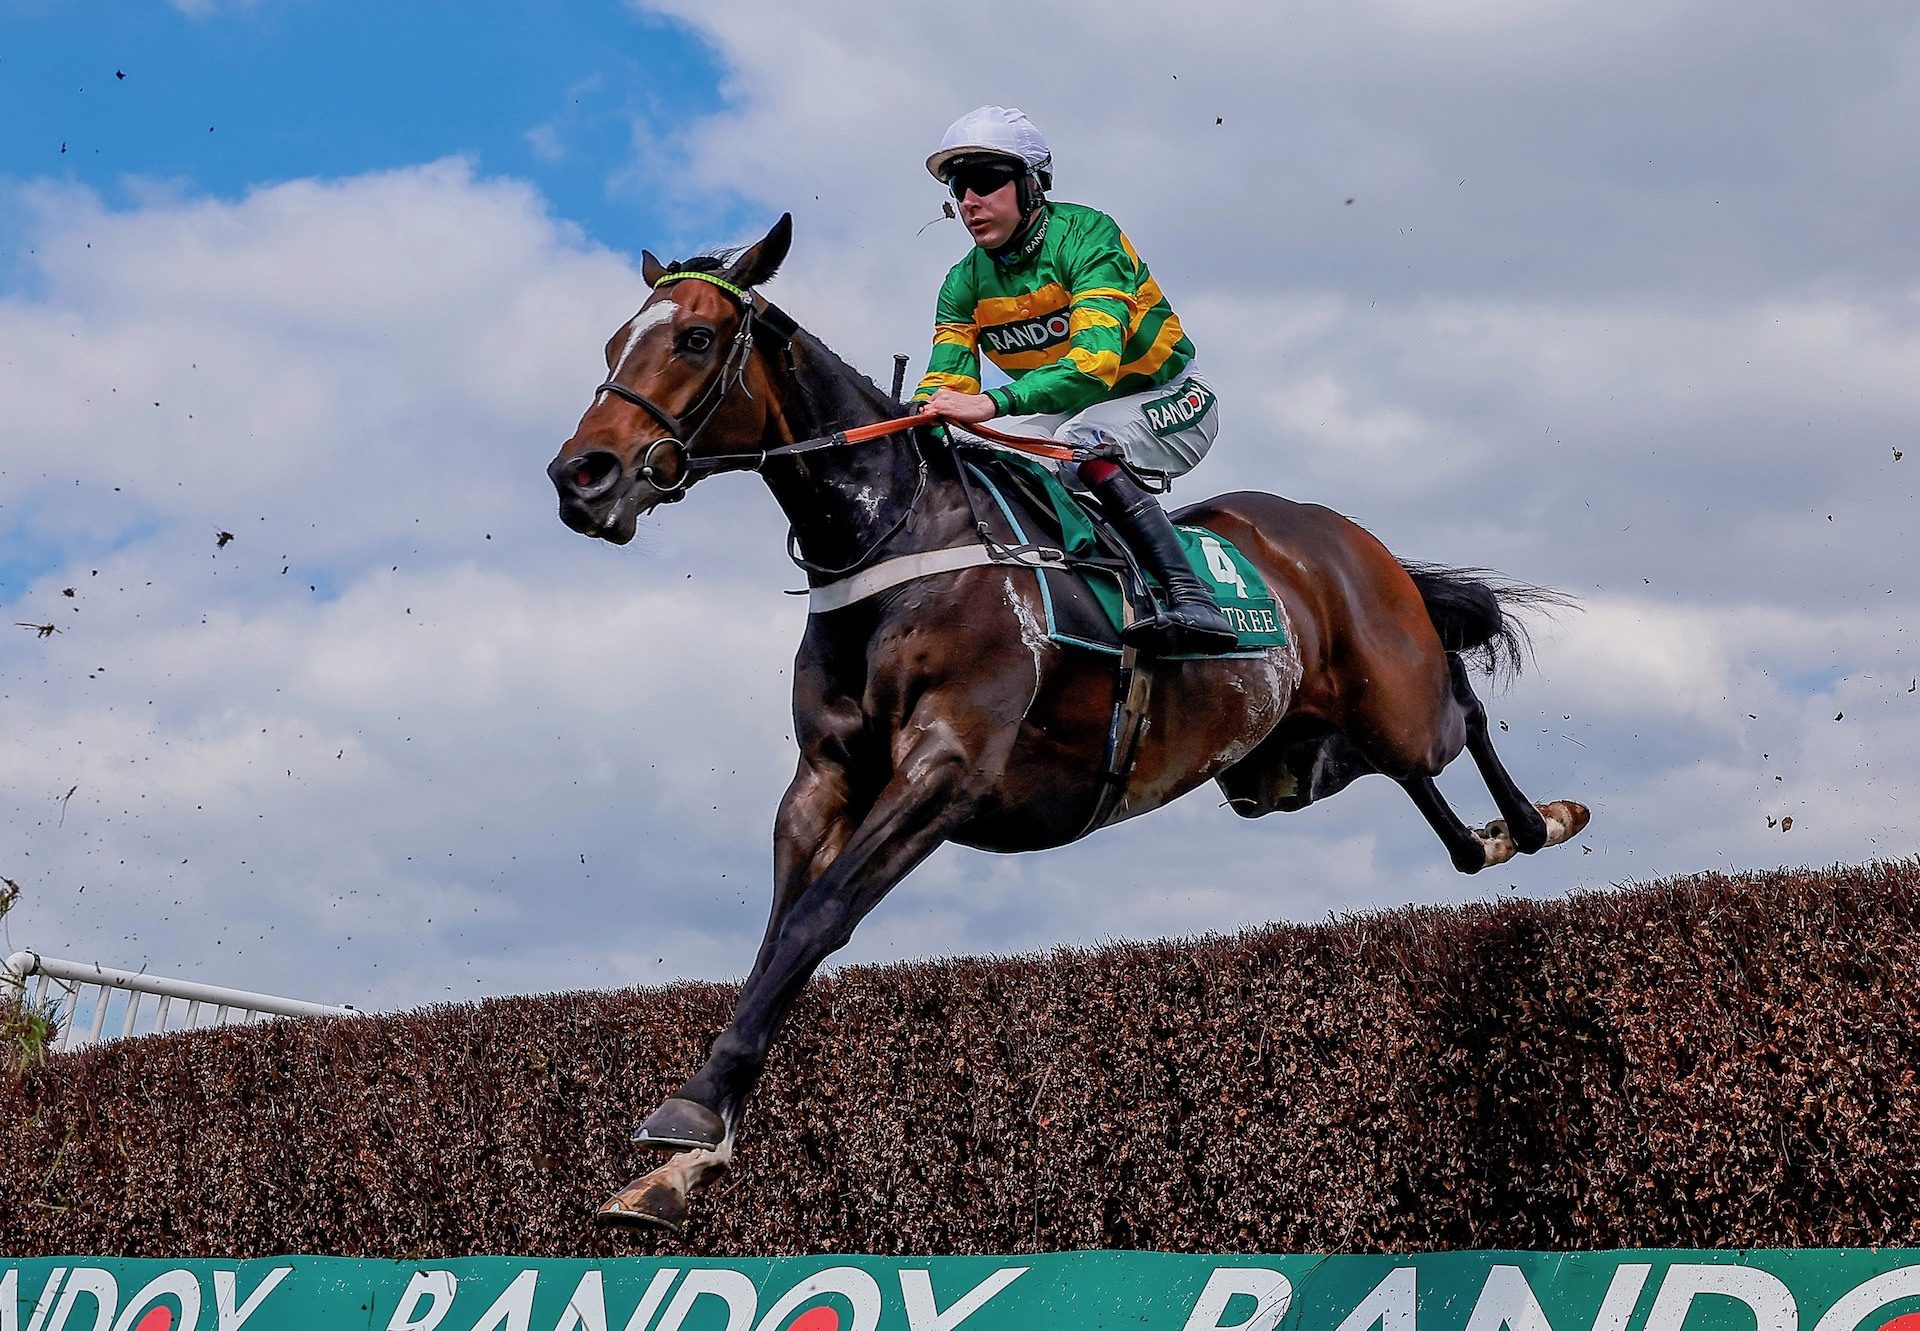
(1470, 860)
(1496, 844)
(682, 1125)
(645, 1203)
(1565, 820)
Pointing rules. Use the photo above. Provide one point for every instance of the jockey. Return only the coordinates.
(1097, 357)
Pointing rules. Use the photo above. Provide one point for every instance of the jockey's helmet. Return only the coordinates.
(991, 132)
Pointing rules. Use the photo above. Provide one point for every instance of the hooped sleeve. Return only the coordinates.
(954, 361)
(1104, 279)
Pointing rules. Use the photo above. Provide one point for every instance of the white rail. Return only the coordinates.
(80, 982)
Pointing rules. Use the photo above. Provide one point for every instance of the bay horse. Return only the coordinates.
(939, 711)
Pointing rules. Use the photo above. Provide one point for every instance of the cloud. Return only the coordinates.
(402, 692)
(1654, 148)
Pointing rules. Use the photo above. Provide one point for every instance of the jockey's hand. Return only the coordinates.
(967, 408)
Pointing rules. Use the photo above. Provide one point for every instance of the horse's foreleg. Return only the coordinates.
(915, 812)
(658, 1200)
(919, 808)
(809, 832)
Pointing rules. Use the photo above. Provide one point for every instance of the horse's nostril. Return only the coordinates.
(591, 474)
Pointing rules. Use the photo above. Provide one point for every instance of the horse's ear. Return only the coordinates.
(651, 268)
(762, 261)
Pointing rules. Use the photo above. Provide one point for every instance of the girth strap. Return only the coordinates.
(1133, 692)
(890, 573)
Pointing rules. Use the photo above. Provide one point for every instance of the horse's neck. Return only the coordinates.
(844, 503)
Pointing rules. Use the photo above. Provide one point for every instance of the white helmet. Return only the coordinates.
(1003, 131)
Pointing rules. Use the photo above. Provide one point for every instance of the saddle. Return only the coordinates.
(1096, 587)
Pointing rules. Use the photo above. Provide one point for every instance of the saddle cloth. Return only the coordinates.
(1085, 603)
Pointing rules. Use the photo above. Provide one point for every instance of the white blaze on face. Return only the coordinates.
(642, 324)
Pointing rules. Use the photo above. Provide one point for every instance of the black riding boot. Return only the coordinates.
(1191, 622)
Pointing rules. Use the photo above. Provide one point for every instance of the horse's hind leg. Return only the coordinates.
(1524, 823)
(1530, 826)
(1470, 850)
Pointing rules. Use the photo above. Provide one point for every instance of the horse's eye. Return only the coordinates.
(696, 339)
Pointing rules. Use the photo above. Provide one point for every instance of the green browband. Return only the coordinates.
(726, 286)
(765, 320)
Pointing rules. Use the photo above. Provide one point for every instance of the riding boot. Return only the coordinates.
(1191, 621)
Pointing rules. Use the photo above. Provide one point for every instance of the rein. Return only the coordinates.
(860, 434)
(692, 467)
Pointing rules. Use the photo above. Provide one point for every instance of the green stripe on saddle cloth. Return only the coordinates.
(1238, 587)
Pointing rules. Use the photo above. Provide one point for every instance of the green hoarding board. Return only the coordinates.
(1651, 1290)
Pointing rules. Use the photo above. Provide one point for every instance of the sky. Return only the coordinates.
(1620, 298)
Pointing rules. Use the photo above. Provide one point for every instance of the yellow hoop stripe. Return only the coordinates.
(739, 293)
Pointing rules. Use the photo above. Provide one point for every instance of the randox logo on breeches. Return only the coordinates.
(1035, 334)
(1181, 409)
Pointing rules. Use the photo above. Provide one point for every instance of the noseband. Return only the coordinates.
(679, 439)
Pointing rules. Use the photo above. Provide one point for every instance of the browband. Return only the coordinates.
(721, 282)
(776, 322)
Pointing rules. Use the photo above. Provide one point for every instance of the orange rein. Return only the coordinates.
(1025, 443)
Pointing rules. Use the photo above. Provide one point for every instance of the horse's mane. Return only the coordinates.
(711, 262)
(860, 382)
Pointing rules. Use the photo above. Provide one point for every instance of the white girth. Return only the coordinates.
(892, 572)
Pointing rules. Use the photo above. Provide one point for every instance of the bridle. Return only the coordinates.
(679, 438)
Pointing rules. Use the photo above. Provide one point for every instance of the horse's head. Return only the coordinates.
(680, 394)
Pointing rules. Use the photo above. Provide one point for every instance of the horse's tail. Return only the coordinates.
(1470, 607)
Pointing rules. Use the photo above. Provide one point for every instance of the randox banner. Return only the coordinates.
(1652, 1290)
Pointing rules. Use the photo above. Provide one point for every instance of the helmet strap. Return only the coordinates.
(1028, 194)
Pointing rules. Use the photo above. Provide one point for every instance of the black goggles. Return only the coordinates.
(982, 179)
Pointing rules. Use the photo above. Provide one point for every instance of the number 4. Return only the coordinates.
(1220, 564)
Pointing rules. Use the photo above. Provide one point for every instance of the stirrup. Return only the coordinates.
(1205, 639)
(1165, 634)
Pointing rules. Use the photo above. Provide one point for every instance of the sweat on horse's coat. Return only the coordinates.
(933, 713)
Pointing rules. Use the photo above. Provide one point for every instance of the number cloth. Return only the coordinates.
(1083, 606)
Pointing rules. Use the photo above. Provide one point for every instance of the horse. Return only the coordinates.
(935, 711)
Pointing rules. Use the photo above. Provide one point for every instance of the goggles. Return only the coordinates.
(982, 178)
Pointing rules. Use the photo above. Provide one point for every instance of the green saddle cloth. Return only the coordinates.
(1239, 589)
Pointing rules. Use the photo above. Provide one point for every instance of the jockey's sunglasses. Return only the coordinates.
(987, 178)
